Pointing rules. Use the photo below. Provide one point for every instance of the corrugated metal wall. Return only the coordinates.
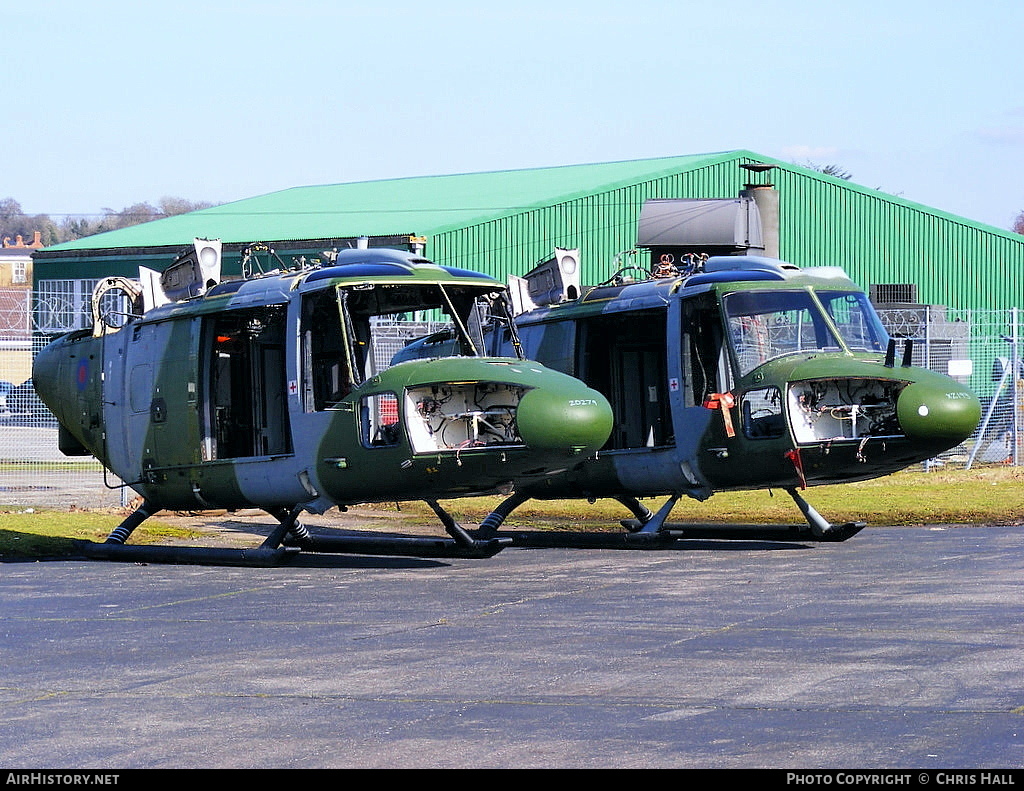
(879, 240)
(825, 221)
(601, 224)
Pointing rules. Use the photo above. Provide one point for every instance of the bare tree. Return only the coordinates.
(14, 223)
(172, 206)
(130, 215)
(831, 170)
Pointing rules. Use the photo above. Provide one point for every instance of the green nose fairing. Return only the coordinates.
(831, 418)
(469, 426)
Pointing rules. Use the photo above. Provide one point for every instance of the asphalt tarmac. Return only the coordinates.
(900, 648)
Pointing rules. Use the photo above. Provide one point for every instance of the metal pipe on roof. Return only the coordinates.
(766, 198)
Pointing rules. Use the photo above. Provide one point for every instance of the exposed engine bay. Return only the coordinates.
(464, 415)
(836, 409)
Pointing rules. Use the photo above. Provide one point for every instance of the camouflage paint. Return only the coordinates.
(712, 445)
(143, 399)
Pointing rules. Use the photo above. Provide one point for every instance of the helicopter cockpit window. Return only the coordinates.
(762, 413)
(856, 320)
(343, 339)
(458, 304)
(764, 325)
(378, 416)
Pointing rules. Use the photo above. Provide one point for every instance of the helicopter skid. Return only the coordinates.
(290, 538)
(276, 556)
(742, 532)
(669, 537)
(142, 553)
(408, 546)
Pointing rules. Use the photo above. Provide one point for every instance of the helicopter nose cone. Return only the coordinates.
(942, 411)
(576, 419)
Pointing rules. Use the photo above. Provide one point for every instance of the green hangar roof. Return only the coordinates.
(504, 222)
(415, 206)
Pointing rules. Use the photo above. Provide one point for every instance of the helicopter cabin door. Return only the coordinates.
(705, 363)
(245, 412)
(623, 356)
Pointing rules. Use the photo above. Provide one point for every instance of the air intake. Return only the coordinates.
(893, 293)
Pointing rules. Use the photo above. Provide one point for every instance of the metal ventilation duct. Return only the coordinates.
(717, 224)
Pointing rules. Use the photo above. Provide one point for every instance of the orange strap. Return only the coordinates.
(723, 401)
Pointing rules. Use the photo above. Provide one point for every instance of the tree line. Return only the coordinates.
(14, 222)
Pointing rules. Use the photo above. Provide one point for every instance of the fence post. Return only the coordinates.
(1016, 369)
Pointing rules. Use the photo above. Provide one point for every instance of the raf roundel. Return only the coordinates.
(82, 375)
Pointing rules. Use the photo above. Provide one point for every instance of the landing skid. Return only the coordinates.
(674, 536)
(209, 556)
(649, 530)
(817, 527)
(288, 540)
(741, 532)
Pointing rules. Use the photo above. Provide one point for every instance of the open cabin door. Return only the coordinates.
(705, 361)
(623, 356)
(245, 412)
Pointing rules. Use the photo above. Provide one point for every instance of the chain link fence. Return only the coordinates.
(33, 472)
(980, 348)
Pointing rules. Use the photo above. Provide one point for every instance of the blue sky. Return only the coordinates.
(112, 102)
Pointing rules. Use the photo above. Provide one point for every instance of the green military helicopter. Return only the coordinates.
(264, 392)
(740, 372)
(726, 371)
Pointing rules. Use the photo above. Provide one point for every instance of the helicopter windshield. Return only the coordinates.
(364, 302)
(348, 331)
(856, 320)
(764, 325)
